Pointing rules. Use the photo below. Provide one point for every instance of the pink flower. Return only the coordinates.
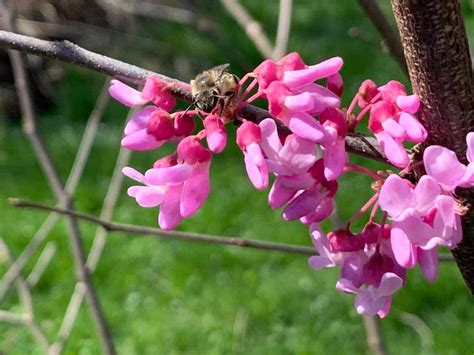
(152, 126)
(179, 187)
(335, 156)
(422, 217)
(443, 165)
(155, 90)
(372, 300)
(249, 139)
(293, 96)
(392, 121)
(216, 134)
(372, 275)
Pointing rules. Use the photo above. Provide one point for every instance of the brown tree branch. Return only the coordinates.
(69, 52)
(47, 165)
(439, 63)
(382, 24)
(71, 185)
(95, 253)
(195, 237)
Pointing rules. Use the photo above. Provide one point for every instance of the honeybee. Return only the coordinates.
(216, 89)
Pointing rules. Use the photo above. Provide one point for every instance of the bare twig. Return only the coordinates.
(71, 53)
(71, 185)
(28, 317)
(75, 239)
(252, 28)
(43, 261)
(196, 237)
(374, 335)
(391, 38)
(421, 328)
(95, 252)
(283, 31)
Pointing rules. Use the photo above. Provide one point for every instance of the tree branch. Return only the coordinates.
(49, 169)
(70, 53)
(437, 53)
(71, 185)
(195, 237)
(283, 30)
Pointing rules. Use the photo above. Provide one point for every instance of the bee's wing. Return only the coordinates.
(220, 69)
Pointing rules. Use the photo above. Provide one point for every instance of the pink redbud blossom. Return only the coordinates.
(152, 126)
(392, 121)
(249, 139)
(335, 156)
(443, 165)
(422, 217)
(216, 134)
(155, 91)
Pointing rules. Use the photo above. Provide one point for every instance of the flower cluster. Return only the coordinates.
(300, 151)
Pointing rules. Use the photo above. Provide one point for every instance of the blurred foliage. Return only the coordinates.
(172, 297)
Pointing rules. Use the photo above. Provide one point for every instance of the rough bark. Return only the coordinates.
(439, 63)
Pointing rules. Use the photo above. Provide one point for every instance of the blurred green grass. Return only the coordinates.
(172, 297)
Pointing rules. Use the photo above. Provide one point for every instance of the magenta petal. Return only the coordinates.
(258, 174)
(279, 195)
(271, 144)
(335, 158)
(296, 182)
(426, 192)
(415, 132)
(169, 216)
(307, 127)
(139, 120)
(298, 154)
(443, 165)
(125, 94)
(322, 98)
(140, 141)
(323, 211)
(470, 146)
(299, 103)
(295, 78)
(133, 190)
(195, 190)
(403, 250)
(417, 231)
(365, 303)
(255, 153)
(396, 196)
(303, 204)
(172, 175)
(318, 262)
(150, 196)
(393, 149)
(389, 284)
(133, 174)
(410, 103)
(428, 260)
(217, 141)
(393, 128)
(346, 286)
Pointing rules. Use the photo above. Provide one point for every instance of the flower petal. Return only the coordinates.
(139, 120)
(270, 144)
(307, 127)
(295, 78)
(298, 154)
(403, 250)
(396, 196)
(426, 192)
(443, 165)
(195, 190)
(140, 141)
(169, 216)
(172, 175)
(125, 94)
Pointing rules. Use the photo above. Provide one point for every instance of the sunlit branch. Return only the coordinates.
(196, 237)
